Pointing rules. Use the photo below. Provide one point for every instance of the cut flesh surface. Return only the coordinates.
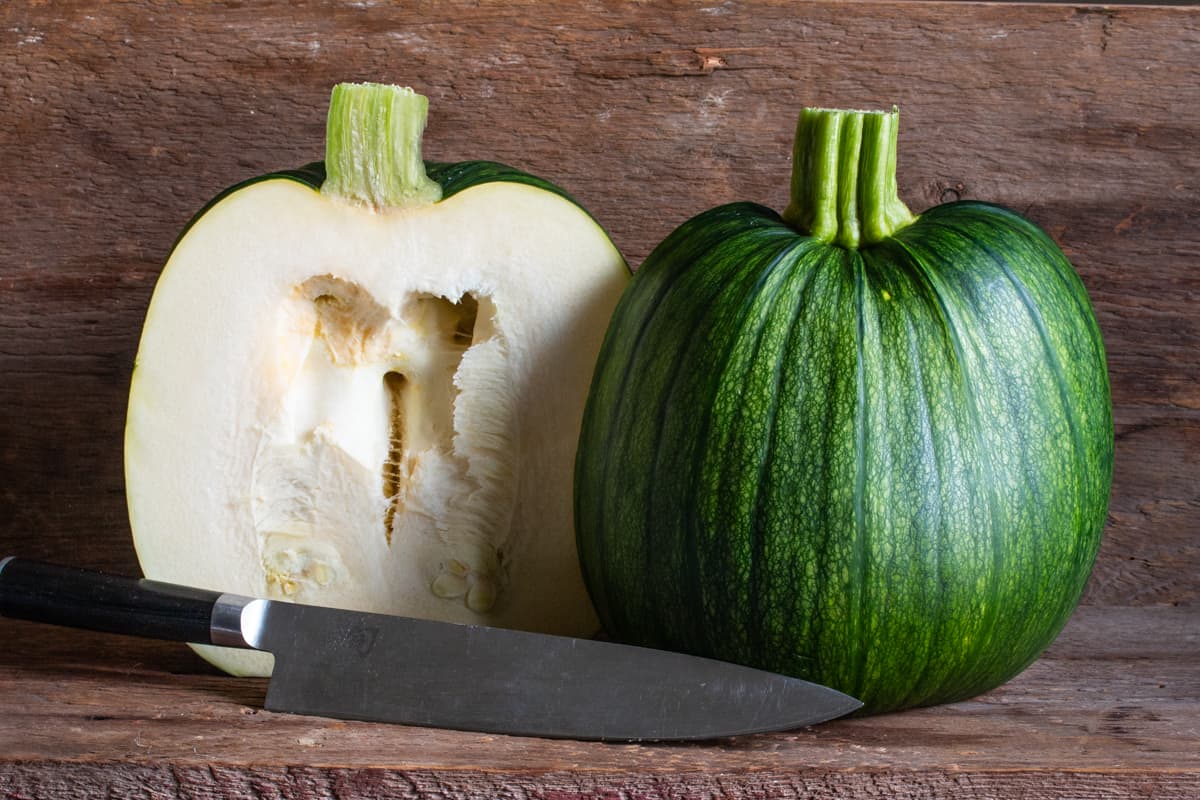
(372, 410)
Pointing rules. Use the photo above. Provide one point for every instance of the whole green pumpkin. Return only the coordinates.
(849, 444)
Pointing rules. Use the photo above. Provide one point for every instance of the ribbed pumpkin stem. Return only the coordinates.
(373, 146)
(844, 177)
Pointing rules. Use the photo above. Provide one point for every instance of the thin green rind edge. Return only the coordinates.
(453, 177)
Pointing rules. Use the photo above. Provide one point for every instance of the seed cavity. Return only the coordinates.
(348, 319)
(394, 469)
(419, 394)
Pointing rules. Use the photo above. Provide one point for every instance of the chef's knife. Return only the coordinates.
(377, 667)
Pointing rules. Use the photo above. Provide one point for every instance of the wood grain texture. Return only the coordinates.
(118, 120)
(1112, 709)
(84, 782)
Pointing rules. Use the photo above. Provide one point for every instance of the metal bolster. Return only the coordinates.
(231, 626)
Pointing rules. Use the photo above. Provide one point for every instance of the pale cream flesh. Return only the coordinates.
(372, 410)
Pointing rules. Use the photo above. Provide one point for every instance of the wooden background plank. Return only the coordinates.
(119, 120)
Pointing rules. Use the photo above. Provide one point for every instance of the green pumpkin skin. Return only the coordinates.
(883, 469)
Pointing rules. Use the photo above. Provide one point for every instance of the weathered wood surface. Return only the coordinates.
(119, 120)
(1112, 710)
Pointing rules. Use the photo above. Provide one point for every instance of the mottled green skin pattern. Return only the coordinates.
(885, 470)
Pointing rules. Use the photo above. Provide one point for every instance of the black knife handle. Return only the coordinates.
(78, 598)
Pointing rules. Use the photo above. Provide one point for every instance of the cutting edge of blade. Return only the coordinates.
(845, 705)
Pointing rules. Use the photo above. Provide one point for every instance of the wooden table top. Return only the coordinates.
(1114, 706)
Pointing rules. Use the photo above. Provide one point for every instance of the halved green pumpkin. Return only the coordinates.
(364, 389)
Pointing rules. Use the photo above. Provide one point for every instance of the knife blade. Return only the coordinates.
(384, 668)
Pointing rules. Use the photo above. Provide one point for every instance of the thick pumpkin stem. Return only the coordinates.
(373, 146)
(844, 177)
